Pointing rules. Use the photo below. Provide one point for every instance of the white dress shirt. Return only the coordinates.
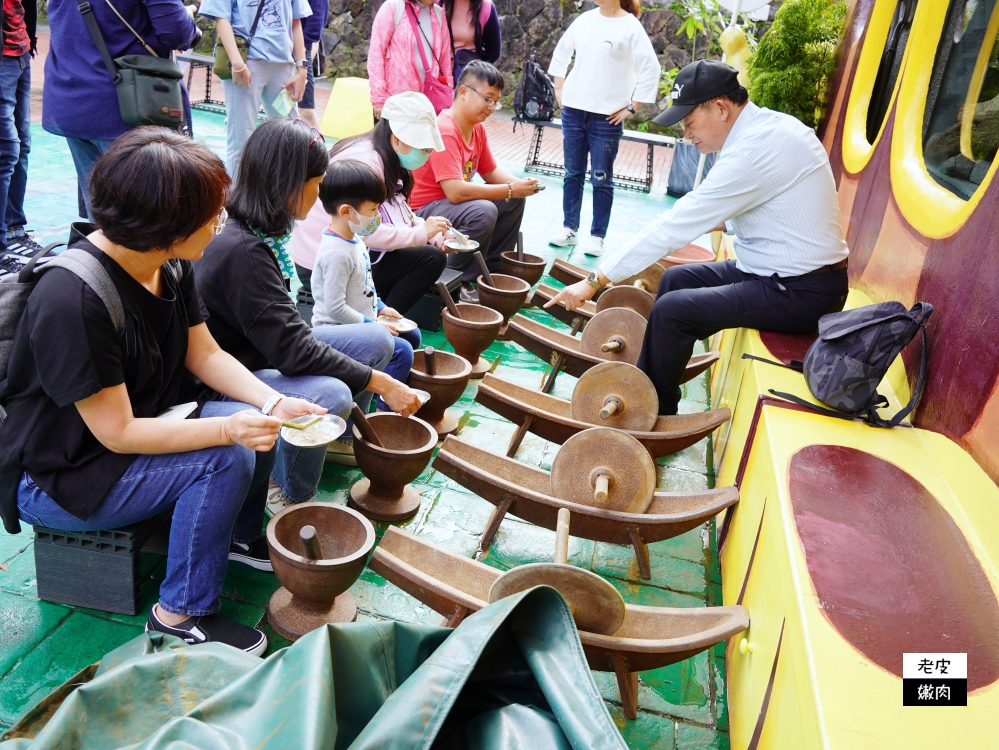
(773, 186)
(615, 63)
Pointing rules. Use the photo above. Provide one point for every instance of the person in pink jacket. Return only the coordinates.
(397, 62)
(406, 259)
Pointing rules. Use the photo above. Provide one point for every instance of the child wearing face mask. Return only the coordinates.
(341, 280)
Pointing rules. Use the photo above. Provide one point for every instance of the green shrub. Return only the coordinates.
(795, 58)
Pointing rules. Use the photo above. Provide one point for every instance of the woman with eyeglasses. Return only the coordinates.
(82, 448)
(245, 279)
(406, 254)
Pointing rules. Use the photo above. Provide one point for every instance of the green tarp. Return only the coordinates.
(510, 676)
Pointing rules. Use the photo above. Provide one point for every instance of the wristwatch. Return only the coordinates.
(305, 64)
(270, 403)
(631, 108)
(594, 281)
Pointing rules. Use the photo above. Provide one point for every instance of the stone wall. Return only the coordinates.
(529, 27)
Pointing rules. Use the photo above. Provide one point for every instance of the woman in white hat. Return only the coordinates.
(406, 254)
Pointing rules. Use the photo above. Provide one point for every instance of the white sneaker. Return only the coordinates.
(565, 237)
(276, 500)
(340, 452)
(594, 247)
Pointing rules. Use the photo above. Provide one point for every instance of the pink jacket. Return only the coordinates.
(400, 226)
(392, 53)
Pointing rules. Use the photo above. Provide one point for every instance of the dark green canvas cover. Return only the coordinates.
(510, 676)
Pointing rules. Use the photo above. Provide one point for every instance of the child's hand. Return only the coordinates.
(389, 312)
(391, 328)
(435, 225)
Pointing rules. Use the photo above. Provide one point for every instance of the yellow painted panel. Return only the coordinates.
(856, 148)
(847, 702)
(912, 186)
(749, 673)
(348, 111)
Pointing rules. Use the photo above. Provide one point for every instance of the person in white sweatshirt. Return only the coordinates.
(614, 71)
(344, 291)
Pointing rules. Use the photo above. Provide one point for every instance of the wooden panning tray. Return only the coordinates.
(546, 343)
(525, 491)
(553, 418)
(649, 638)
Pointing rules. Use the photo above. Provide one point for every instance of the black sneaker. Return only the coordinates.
(469, 293)
(255, 554)
(24, 245)
(212, 629)
(10, 264)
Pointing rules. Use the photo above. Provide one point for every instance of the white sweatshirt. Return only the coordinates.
(615, 63)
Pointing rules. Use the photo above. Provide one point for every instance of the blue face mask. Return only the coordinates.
(368, 227)
(415, 159)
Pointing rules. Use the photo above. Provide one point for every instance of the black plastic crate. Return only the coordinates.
(96, 569)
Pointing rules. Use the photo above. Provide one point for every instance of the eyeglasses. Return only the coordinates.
(220, 221)
(493, 105)
(319, 136)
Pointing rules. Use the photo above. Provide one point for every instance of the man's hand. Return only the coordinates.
(524, 187)
(296, 84)
(573, 296)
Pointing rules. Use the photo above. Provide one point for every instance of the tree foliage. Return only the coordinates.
(792, 64)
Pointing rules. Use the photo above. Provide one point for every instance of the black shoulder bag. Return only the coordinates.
(148, 86)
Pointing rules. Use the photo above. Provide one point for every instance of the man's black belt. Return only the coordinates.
(827, 269)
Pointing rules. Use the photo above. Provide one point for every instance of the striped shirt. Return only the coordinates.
(773, 186)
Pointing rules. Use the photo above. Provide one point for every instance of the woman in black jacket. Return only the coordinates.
(82, 448)
(245, 279)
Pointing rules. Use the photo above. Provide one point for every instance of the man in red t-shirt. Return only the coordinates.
(488, 213)
(15, 124)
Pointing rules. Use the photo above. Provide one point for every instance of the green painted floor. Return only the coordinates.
(682, 706)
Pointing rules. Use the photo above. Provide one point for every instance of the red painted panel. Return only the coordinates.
(892, 570)
(961, 279)
(788, 346)
(873, 193)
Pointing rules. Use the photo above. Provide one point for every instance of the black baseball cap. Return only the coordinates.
(699, 82)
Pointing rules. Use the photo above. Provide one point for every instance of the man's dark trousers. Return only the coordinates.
(493, 224)
(697, 301)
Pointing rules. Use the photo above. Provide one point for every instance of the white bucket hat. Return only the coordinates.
(413, 121)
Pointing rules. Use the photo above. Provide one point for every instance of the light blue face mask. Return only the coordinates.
(370, 225)
(415, 159)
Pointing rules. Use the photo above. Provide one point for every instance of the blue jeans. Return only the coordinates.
(85, 153)
(15, 139)
(588, 134)
(218, 495)
(297, 471)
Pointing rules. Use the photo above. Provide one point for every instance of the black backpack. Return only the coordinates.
(853, 352)
(534, 98)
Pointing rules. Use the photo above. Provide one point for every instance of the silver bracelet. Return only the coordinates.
(270, 403)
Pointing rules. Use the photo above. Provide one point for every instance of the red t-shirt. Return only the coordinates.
(15, 33)
(458, 161)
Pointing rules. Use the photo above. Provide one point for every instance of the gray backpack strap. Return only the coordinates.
(88, 268)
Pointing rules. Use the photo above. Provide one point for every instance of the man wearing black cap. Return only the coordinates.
(772, 185)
